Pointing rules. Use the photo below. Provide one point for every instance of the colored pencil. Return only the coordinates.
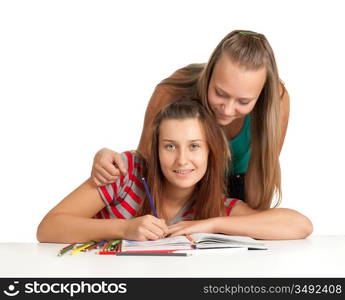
(66, 249)
(93, 246)
(150, 198)
(151, 254)
(82, 247)
(101, 243)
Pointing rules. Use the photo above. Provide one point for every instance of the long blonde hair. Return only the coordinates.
(251, 51)
(209, 192)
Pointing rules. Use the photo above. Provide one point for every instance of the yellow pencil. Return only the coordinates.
(82, 247)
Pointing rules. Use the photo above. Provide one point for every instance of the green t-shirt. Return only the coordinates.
(240, 149)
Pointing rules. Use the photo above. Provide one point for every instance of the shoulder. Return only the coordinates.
(134, 162)
(229, 204)
(128, 185)
(242, 209)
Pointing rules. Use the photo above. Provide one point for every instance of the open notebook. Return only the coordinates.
(194, 241)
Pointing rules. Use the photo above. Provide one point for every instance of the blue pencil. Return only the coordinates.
(150, 197)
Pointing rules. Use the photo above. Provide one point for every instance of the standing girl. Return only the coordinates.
(185, 172)
(241, 88)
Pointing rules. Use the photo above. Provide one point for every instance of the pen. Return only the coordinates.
(150, 197)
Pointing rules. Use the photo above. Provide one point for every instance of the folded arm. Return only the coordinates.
(270, 224)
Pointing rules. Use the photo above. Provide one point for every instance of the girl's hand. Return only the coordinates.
(104, 170)
(146, 228)
(189, 227)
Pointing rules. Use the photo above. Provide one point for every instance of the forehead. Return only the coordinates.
(181, 130)
(236, 79)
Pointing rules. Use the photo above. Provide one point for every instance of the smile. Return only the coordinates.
(183, 172)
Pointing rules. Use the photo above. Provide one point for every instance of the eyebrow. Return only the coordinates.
(172, 141)
(226, 94)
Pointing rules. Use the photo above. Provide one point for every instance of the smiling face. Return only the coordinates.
(183, 152)
(233, 91)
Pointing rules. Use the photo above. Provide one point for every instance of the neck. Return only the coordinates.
(174, 196)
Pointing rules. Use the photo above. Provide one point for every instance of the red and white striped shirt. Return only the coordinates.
(123, 197)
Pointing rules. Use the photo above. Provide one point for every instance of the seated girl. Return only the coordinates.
(186, 178)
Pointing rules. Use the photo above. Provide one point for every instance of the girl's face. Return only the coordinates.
(233, 90)
(183, 152)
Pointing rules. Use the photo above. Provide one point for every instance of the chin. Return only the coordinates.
(184, 184)
(223, 122)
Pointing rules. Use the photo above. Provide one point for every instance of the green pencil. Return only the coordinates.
(66, 249)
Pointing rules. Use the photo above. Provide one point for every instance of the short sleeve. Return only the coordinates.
(229, 204)
(127, 188)
(111, 193)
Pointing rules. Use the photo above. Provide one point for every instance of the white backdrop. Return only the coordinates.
(76, 76)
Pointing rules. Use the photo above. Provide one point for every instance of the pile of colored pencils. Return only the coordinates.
(104, 247)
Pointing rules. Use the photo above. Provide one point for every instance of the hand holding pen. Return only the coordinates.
(147, 227)
(144, 228)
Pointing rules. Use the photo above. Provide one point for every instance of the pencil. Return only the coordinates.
(113, 245)
(104, 246)
(92, 246)
(150, 197)
(66, 249)
(82, 247)
(101, 243)
(150, 254)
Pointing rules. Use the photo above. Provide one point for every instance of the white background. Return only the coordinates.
(76, 76)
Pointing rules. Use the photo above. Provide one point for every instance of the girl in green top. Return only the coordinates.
(240, 86)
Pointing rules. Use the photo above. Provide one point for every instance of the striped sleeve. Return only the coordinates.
(110, 193)
(123, 197)
(229, 204)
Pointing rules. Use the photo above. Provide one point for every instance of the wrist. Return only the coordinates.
(216, 225)
(123, 226)
(116, 228)
(212, 224)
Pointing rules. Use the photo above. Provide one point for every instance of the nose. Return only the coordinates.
(182, 157)
(229, 109)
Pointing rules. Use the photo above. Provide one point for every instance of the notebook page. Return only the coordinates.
(205, 240)
(176, 242)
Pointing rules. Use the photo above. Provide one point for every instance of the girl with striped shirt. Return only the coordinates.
(186, 176)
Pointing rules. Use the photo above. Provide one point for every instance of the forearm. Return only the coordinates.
(63, 228)
(271, 224)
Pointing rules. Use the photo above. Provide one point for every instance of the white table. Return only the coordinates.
(316, 256)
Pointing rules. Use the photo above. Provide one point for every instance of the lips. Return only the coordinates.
(183, 172)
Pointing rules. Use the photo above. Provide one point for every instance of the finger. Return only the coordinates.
(157, 230)
(110, 172)
(101, 180)
(120, 164)
(174, 229)
(151, 235)
(95, 180)
(160, 223)
(179, 232)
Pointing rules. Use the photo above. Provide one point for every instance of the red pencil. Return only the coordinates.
(144, 251)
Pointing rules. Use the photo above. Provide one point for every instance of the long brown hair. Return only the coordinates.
(208, 194)
(251, 51)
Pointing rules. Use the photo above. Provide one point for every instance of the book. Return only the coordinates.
(193, 241)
